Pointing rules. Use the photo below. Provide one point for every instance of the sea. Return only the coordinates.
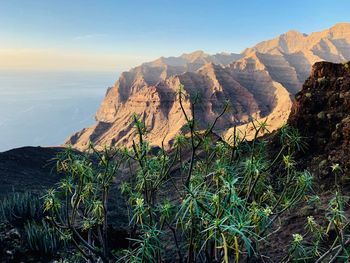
(40, 108)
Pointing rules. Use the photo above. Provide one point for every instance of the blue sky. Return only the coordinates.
(115, 35)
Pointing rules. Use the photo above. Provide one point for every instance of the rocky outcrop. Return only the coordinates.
(321, 112)
(257, 83)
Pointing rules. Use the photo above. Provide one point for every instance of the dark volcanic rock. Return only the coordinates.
(321, 112)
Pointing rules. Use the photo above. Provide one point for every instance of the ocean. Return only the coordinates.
(44, 108)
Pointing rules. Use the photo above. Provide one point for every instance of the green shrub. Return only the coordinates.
(17, 208)
(42, 238)
(223, 200)
(79, 204)
(227, 199)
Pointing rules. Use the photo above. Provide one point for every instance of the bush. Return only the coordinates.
(42, 238)
(17, 208)
(79, 204)
(225, 198)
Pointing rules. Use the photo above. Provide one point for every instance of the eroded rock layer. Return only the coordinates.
(257, 83)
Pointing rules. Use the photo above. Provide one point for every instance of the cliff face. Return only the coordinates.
(258, 83)
(321, 112)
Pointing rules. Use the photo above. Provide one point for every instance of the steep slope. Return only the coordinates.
(158, 107)
(257, 83)
(149, 74)
(321, 113)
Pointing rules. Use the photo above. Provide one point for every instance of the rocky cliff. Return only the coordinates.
(321, 112)
(257, 83)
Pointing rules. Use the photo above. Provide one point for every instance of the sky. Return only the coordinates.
(112, 35)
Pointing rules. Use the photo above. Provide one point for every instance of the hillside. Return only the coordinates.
(28, 168)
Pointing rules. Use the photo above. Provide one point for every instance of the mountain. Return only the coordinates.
(260, 82)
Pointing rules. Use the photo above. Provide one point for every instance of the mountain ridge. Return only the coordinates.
(253, 83)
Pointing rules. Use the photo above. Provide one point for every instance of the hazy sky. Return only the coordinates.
(116, 35)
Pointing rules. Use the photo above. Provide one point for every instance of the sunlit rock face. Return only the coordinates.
(260, 82)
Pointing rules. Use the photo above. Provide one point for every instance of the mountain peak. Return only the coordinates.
(194, 55)
(294, 41)
(340, 30)
(341, 26)
(294, 33)
(210, 66)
